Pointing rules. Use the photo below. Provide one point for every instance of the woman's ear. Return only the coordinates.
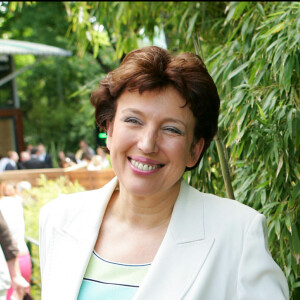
(196, 151)
(109, 131)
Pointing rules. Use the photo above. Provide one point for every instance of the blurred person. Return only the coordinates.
(44, 156)
(10, 162)
(12, 210)
(24, 156)
(13, 159)
(10, 250)
(33, 162)
(148, 234)
(84, 148)
(95, 163)
(23, 186)
(105, 161)
(71, 156)
(66, 160)
(3, 162)
(62, 159)
(28, 148)
(85, 159)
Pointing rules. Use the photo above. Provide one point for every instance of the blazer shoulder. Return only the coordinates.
(74, 199)
(223, 208)
(79, 200)
(69, 206)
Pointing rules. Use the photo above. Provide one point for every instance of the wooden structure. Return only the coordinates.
(11, 133)
(90, 180)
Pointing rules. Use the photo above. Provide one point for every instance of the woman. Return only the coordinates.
(147, 234)
(12, 210)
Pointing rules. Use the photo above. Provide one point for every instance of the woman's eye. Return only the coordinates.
(173, 130)
(132, 120)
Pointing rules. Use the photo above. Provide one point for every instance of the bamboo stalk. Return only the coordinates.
(219, 143)
(224, 166)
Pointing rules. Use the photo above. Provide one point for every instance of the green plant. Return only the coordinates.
(257, 72)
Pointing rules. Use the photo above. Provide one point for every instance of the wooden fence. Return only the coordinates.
(88, 179)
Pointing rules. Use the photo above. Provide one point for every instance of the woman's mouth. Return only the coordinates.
(143, 166)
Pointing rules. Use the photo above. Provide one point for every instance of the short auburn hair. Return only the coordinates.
(151, 68)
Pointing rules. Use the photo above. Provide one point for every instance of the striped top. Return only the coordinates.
(108, 280)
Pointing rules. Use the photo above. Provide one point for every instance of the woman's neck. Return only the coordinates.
(145, 213)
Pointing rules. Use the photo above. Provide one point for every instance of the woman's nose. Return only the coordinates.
(148, 141)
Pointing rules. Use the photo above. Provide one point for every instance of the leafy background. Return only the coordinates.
(251, 50)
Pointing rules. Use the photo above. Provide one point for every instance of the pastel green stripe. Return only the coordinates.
(108, 272)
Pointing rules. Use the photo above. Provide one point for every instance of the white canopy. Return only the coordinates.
(11, 47)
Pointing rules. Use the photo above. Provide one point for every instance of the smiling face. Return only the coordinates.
(150, 141)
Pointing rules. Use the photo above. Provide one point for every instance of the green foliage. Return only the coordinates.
(252, 52)
(127, 24)
(54, 113)
(34, 199)
(257, 72)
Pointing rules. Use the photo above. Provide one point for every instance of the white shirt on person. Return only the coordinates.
(13, 213)
(3, 162)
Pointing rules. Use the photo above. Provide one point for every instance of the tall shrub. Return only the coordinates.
(257, 72)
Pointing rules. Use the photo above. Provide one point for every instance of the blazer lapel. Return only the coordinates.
(72, 246)
(182, 252)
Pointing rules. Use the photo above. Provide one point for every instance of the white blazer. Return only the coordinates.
(214, 249)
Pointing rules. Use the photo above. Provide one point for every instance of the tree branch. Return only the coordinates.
(105, 67)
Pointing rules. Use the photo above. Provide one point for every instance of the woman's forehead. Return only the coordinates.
(167, 105)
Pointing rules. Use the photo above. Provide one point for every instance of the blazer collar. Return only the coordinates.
(89, 220)
(186, 224)
(72, 244)
(183, 251)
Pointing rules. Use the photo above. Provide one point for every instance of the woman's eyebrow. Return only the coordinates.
(138, 112)
(132, 110)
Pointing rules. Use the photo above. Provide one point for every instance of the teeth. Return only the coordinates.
(143, 167)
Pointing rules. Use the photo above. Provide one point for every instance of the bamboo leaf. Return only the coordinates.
(277, 228)
(231, 11)
(290, 123)
(232, 136)
(267, 103)
(240, 9)
(260, 9)
(297, 122)
(237, 70)
(263, 197)
(245, 28)
(183, 18)
(288, 223)
(261, 74)
(273, 30)
(261, 112)
(191, 26)
(296, 285)
(288, 69)
(228, 68)
(270, 205)
(295, 239)
(275, 151)
(279, 165)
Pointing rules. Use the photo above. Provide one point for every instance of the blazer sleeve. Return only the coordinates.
(259, 277)
(44, 235)
(7, 243)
